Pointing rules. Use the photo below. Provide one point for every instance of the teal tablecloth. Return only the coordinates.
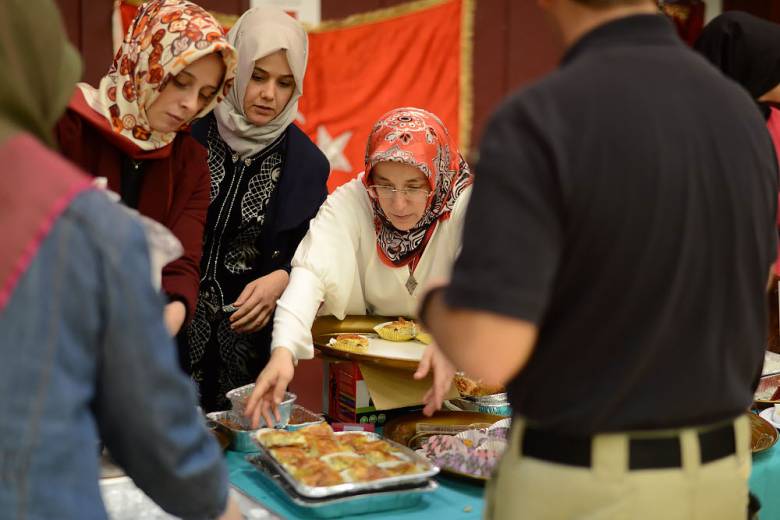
(454, 500)
(765, 481)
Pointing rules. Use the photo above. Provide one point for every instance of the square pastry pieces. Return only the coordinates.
(315, 456)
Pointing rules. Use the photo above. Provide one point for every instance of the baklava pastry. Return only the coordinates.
(401, 330)
(350, 343)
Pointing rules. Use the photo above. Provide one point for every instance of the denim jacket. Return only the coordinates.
(86, 356)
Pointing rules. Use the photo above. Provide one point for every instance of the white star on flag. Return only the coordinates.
(333, 148)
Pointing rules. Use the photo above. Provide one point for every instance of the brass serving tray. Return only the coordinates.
(762, 434)
(403, 430)
(405, 355)
(350, 323)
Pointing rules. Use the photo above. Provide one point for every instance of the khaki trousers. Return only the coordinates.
(527, 488)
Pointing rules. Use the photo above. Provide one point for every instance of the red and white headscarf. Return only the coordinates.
(165, 37)
(418, 138)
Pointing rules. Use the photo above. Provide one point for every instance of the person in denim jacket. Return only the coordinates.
(85, 354)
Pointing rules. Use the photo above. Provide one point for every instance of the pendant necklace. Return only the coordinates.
(411, 283)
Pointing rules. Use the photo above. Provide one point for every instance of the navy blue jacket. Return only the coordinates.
(302, 190)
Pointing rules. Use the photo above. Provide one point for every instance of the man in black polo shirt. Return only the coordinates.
(615, 258)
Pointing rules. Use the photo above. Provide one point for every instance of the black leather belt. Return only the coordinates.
(643, 453)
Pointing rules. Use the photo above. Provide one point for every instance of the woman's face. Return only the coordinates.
(269, 89)
(186, 94)
(403, 209)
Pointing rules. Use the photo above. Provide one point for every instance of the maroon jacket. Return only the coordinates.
(174, 189)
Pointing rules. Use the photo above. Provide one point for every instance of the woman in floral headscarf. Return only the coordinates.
(373, 243)
(174, 66)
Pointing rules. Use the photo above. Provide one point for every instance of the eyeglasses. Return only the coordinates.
(387, 193)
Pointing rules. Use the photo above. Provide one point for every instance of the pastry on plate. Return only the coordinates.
(423, 336)
(350, 343)
(468, 387)
(401, 330)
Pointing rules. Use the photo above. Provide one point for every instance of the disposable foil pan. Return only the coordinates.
(428, 470)
(338, 506)
(240, 439)
(239, 396)
(308, 418)
(123, 500)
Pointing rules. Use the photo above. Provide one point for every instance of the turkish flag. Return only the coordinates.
(415, 54)
(360, 69)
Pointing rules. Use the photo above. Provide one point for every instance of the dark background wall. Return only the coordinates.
(512, 43)
(769, 9)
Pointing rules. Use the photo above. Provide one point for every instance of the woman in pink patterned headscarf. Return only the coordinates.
(417, 139)
(374, 241)
(174, 66)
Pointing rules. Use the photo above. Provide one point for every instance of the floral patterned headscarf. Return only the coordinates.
(165, 37)
(418, 138)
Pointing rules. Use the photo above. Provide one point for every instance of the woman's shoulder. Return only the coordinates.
(461, 203)
(300, 145)
(351, 197)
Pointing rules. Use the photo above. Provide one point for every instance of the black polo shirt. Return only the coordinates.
(625, 204)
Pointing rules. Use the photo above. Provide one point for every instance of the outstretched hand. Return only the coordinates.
(443, 371)
(270, 387)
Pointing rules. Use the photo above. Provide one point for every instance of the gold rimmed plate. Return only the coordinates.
(395, 354)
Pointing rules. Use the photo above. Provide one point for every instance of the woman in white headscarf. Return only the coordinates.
(267, 181)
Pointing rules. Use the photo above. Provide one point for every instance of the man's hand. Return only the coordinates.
(257, 302)
(270, 387)
(443, 371)
(173, 315)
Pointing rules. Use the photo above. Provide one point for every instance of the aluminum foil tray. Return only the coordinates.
(125, 501)
(341, 505)
(240, 439)
(306, 417)
(239, 396)
(428, 470)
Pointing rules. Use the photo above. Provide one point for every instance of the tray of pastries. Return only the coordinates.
(318, 462)
(338, 506)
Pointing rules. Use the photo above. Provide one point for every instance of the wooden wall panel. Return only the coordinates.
(96, 39)
(71, 16)
(534, 46)
(88, 23)
(490, 74)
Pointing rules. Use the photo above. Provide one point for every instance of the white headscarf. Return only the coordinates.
(259, 32)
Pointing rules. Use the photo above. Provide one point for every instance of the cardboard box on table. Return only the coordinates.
(366, 392)
(370, 393)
